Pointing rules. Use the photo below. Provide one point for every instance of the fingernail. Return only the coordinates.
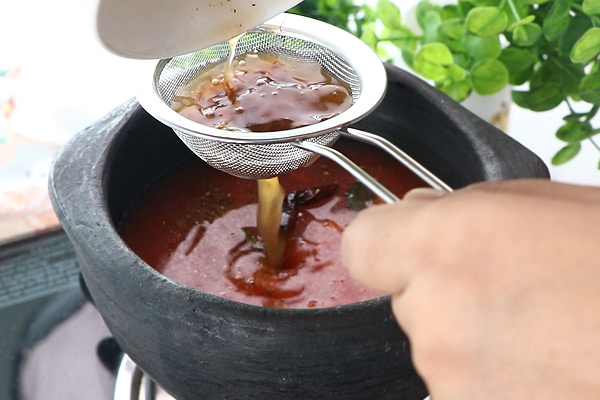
(424, 194)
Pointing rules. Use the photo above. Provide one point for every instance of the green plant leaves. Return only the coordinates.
(335, 12)
(591, 7)
(432, 61)
(557, 19)
(403, 38)
(527, 20)
(483, 45)
(423, 7)
(587, 47)
(489, 76)
(566, 154)
(561, 72)
(456, 90)
(526, 35)
(452, 32)
(389, 14)
(577, 27)
(575, 131)
(486, 21)
(590, 89)
(519, 62)
(456, 72)
(369, 37)
(431, 23)
(479, 47)
(542, 98)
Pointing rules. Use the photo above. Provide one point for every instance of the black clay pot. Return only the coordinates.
(197, 345)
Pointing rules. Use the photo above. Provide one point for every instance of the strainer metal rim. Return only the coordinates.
(368, 67)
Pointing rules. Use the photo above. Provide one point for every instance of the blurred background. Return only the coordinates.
(56, 79)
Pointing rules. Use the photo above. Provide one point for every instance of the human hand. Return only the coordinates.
(497, 286)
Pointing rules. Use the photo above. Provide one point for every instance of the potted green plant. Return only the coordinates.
(547, 50)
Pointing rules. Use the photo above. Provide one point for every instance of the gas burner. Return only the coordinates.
(133, 384)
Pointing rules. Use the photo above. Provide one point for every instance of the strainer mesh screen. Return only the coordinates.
(259, 160)
(254, 161)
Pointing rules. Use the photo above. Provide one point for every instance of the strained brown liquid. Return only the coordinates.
(270, 205)
(228, 71)
(266, 95)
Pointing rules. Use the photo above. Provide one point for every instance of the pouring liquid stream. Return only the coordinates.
(270, 191)
(270, 205)
(228, 71)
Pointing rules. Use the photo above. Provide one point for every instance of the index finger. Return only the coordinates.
(374, 246)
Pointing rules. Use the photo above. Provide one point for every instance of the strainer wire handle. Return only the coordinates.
(384, 193)
(399, 155)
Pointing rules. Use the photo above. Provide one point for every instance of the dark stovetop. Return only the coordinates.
(50, 333)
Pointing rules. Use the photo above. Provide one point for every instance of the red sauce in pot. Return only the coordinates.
(197, 226)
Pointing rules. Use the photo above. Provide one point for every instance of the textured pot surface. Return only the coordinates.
(198, 345)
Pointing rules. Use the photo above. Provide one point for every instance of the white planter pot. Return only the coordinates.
(494, 108)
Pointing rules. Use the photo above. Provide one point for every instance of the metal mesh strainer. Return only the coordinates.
(258, 155)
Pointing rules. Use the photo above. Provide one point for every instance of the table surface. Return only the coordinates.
(56, 79)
